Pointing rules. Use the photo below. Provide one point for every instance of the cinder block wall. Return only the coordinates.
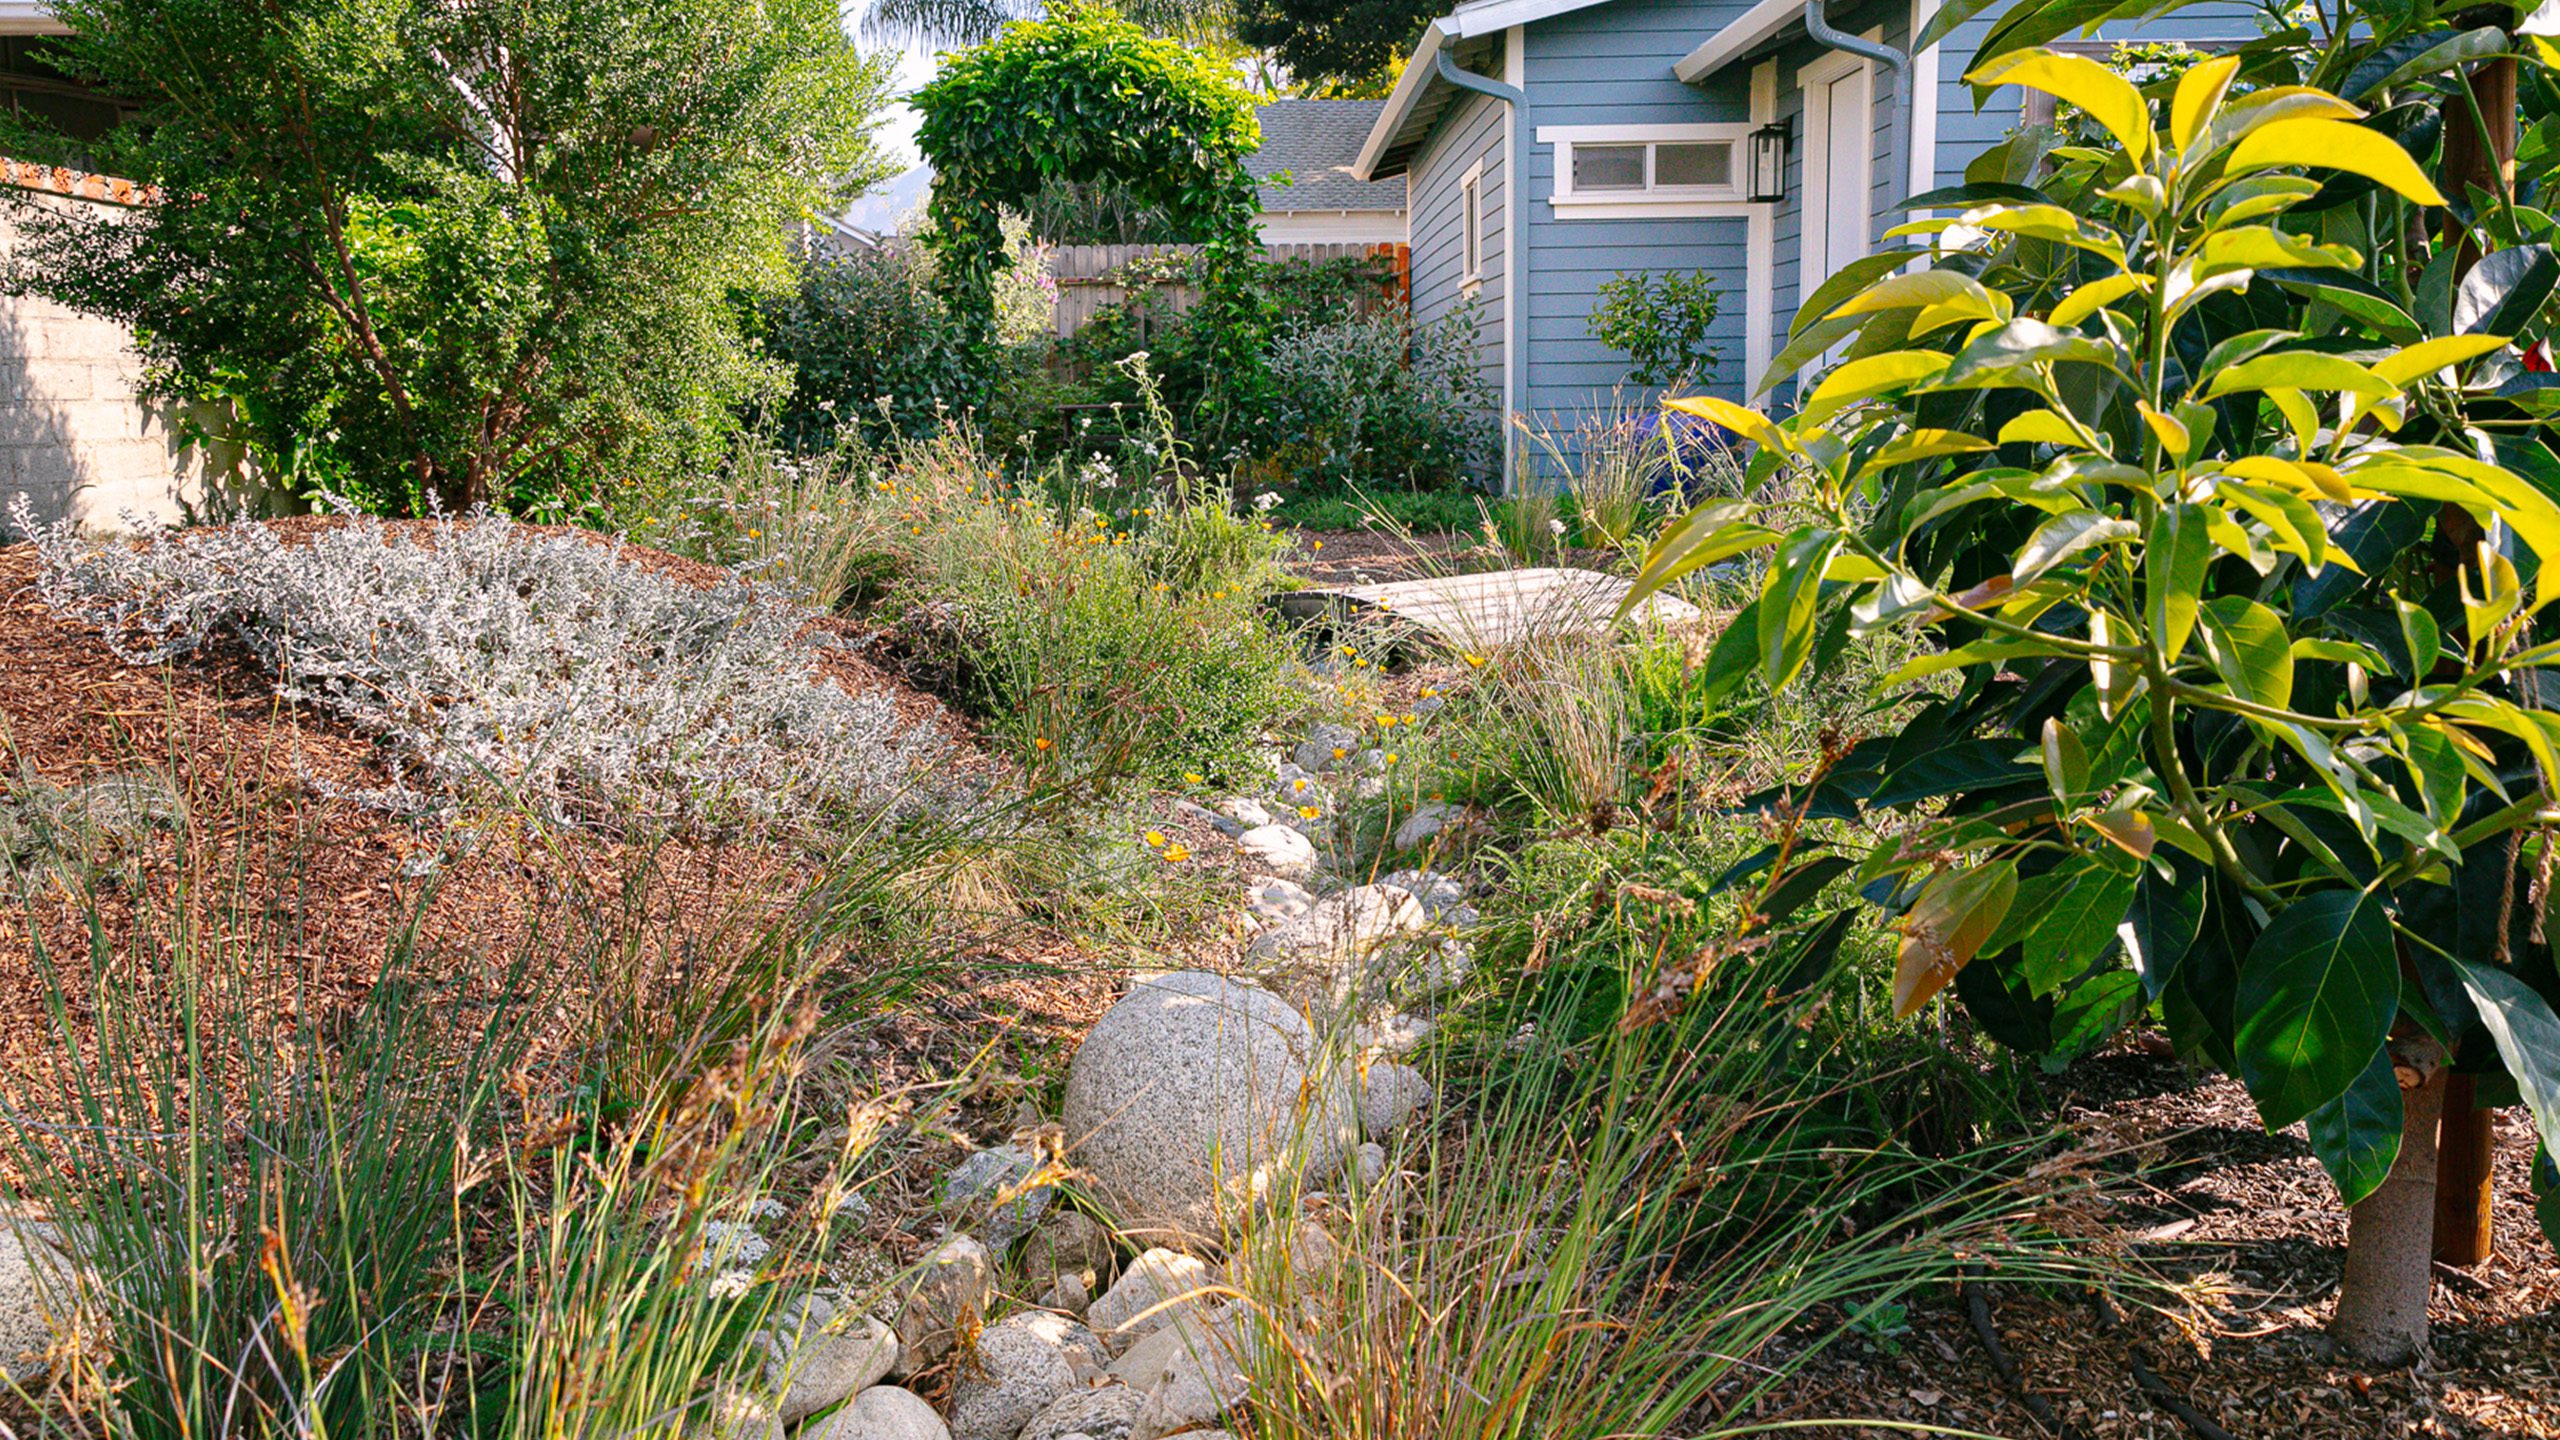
(74, 437)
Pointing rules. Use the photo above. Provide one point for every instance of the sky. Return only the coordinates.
(887, 204)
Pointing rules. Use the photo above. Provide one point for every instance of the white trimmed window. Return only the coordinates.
(1471, 223)
(1637, 171)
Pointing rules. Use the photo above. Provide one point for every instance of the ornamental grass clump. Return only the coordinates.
(497, 663)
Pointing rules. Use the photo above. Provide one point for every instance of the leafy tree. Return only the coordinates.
(1660, 323)
(1077, 98)
(1350, 46)
(459, 252)
(2212, 461)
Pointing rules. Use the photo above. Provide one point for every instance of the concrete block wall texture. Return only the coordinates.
(76, 436)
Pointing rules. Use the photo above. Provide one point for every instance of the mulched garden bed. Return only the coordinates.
(339, 878)
(2250, 1229)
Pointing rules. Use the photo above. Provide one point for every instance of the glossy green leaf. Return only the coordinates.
(1951, 769)
(2357, 1135)
(2527, 1034)
(2173, 568)
(2300, 370)
(2160, 924)
(2424, 642)
(1843, 283)
(2066, 762)
(2249, 648)
(2334, 145)
(2504, 293)
(2316, 998)
(2064, 536)
(1789, 600)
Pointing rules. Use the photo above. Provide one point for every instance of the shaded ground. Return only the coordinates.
(2250, 1228)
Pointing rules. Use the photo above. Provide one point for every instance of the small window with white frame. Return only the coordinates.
(1471, 223)
(1645, 170)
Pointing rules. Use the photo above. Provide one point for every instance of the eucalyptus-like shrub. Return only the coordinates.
(1376, 401)
(497, 663)
(2213, 493)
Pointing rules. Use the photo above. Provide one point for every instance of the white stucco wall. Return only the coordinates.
(74, 439)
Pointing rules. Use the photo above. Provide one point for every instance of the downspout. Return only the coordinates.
(1515, 275)
(1817, 25)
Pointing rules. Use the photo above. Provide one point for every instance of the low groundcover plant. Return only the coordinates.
(491, 661)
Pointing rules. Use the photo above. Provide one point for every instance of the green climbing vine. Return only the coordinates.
(1079, 96)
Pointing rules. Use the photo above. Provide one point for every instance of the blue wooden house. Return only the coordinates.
(1632, 127)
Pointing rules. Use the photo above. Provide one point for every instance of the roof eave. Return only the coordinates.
(1749, 31)
(1417, 78)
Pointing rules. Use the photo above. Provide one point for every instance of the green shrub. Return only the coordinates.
(1121, 636)
(1660, 322)
(412, 296)
(2240, 723)
(874, 353)
(1377, 402)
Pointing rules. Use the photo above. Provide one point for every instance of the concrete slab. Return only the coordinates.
(1487, 611)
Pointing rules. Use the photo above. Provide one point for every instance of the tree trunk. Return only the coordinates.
(2466, 1148)
(2382, 1301)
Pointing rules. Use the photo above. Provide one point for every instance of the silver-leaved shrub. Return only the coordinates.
(494, 662)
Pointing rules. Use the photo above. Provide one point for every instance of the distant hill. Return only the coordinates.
(883, 209)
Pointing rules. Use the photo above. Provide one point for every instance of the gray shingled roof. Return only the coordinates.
(1314, 142)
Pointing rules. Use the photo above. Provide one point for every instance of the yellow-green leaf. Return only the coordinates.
(1924, 287)
(2041, 427)
(2095, 296)
(2200, 93)
(2248, 646)
(2173, 567)
(1927, 445)
(2109, 98)
(1867, 378)
(2300, 370)
(1740, 419)
(2334, 145)
(2429, 356)
(2167, 429)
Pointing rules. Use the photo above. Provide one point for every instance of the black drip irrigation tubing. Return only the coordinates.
(1978, 1306)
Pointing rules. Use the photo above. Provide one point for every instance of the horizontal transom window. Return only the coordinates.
(1669, 165)
(1644, 167)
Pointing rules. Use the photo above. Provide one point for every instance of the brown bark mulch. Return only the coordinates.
(311, 890)
(2249, 1228)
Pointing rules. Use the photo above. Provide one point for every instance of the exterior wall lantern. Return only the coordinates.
(1769, 163)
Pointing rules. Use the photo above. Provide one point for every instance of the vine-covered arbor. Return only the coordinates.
(1081, 96)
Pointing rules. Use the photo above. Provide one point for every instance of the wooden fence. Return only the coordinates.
(1091, 277)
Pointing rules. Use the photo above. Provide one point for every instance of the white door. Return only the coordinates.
(1839, 165)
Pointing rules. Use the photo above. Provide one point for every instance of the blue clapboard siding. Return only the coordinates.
(1611, 65)
(1471, 132)
(1888, 157)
